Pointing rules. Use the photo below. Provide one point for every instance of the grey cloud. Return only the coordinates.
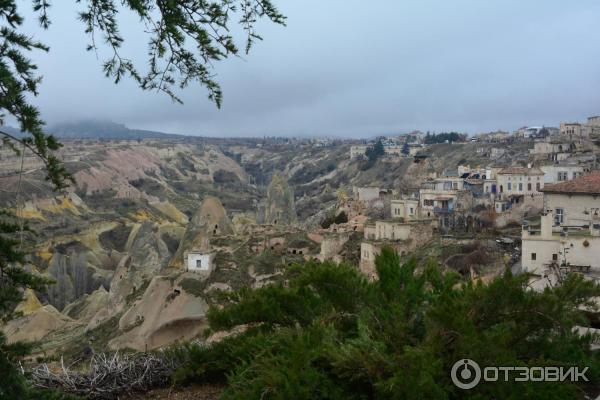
(356, 68)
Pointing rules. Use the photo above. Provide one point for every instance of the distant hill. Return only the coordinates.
(103, 130)
(95, 130)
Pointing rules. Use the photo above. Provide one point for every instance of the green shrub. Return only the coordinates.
(328, 333)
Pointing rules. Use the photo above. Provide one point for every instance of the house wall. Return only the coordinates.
(366, 193)
(331, 246)
(426, 196)
(547, 247)
(419, 234)
(387, 230)
(524, 180)
(449, 184)
(393, 150)
(551, 172)
(490, 186)
(392, 230)
(407, 209)
(199, 262)
(571, 129)
(577, 208)
(370, 232)
(548, 148)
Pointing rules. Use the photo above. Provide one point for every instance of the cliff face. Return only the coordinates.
(136, 208)
(280, 208)
(209, 220)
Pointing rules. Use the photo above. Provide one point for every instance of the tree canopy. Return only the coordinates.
(444, 137)
(328, 333)
(375, 151)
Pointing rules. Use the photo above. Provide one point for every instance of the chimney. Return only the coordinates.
(546, 228)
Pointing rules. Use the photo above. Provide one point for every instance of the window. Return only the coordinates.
(529, 187)
(563, 176)
(537, 186)
(554, 257)
(533, 256)
(455, 185)
(520, 187)
(199, 263)
(559, 216)
(509, 186)
(411, 210)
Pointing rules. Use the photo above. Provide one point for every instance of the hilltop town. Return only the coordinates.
(155, 229)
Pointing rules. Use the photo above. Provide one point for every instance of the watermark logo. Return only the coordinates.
(466, 374)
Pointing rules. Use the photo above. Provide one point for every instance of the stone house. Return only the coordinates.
(520, 181)
(572, 129)
(548, 249)
(407, 209)
(574, 201)
(372, 196)
(406, 238)
(567, 237)
(562, 172)
(553, 149)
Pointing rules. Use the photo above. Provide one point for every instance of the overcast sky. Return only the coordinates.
(356, 68)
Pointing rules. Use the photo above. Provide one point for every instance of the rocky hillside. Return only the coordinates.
(115, 242)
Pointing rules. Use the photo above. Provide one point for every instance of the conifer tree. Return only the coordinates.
(185, 39)
(328, 333)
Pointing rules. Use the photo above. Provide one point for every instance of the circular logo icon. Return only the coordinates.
(465, 374)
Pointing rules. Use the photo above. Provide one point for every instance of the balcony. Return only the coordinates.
(443, 210)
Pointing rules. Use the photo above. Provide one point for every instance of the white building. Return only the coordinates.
(520, 181)
(407, 209)
(567, 237)
(573, 202)
(199, 261)
(562, 172)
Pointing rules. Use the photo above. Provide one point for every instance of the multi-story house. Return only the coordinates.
(562, 172)
(520, 181)
(567, 237)
(572, 129)
(406, 209)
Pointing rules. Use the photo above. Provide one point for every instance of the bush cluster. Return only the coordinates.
(329, 333)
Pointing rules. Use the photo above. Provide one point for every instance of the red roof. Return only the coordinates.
(520, 171)
(588, 184)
